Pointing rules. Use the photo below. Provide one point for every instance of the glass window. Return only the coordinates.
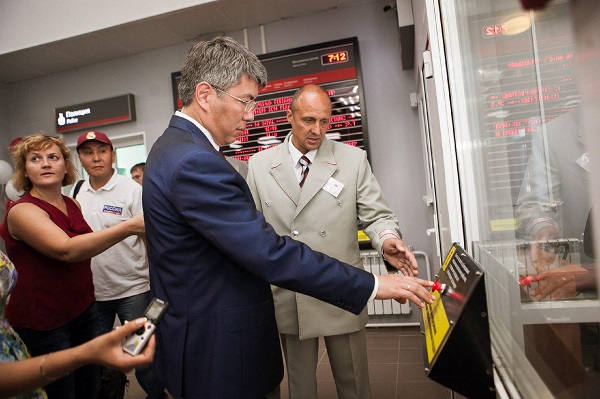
(515, 105)
(128, 156)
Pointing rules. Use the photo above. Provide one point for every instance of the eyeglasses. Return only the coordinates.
(249, 105)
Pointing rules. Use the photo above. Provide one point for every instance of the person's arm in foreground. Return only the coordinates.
(28, 223)
(401, 288)
(26, 375)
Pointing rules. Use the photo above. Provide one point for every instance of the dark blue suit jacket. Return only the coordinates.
(212, 257)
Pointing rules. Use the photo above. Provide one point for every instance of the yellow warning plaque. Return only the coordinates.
(449, 257)
(436, 325)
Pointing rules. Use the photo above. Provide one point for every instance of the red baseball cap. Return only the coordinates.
(93, 136)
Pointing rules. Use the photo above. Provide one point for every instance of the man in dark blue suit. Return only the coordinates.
(212, 255)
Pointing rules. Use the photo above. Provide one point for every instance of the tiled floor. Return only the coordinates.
(395, 367)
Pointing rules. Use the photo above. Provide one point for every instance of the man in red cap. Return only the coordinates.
(121, 282)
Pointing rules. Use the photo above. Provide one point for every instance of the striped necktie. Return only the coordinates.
(304, 162)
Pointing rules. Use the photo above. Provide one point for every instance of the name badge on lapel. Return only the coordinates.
(333, 187)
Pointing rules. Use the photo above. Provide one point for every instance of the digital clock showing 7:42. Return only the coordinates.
(334, 58)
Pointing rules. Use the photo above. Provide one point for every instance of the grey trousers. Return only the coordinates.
(348, 358)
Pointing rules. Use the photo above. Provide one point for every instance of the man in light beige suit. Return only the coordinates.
(313, 190)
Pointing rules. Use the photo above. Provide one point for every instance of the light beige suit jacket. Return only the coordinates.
(322, 221)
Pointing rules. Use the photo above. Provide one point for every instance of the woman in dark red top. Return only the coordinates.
(50, 244)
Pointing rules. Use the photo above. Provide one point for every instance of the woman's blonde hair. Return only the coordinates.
(39, 142)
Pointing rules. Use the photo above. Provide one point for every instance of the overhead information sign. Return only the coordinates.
(96, 113)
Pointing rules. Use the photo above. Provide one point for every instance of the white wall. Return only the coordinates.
(4, 122)
(146, 75)
(394, 137)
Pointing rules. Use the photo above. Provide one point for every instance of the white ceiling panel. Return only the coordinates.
(195, 22)
(10, 72)
(140, 36)
(247, 14)
(91, 48)
(43, 59)
(155, 32)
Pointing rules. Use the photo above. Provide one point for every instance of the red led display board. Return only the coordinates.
(335, 66)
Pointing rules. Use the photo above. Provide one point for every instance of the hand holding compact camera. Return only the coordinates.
(154, 313)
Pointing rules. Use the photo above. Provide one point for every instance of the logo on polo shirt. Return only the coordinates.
(115, 210)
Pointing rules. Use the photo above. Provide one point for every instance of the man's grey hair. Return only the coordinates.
(222, 62)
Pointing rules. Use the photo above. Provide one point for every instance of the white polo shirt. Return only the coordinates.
(122, 270)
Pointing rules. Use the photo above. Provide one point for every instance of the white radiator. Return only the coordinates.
(374, 264)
